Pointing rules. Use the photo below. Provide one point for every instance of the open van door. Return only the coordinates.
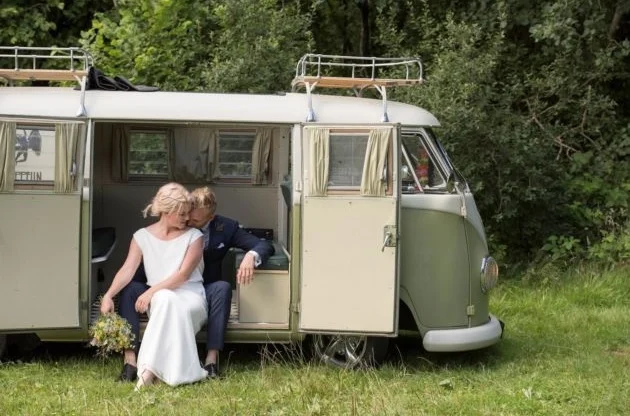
(349, 230)
(40, 221)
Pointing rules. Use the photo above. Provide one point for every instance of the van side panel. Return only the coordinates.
(434, 259)
(39, 261)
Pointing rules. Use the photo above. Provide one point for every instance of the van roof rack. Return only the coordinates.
(25, 63)
(356, 73)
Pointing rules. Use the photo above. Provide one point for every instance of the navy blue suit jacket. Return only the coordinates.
(225, 233)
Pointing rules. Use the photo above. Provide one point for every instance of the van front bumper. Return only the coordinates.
(464, 339)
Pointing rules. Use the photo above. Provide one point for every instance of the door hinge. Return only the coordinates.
(470, 310)
(463, 210)
(295, 308)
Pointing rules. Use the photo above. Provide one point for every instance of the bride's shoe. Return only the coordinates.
(145, 379)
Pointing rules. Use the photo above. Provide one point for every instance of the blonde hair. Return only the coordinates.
(170, 198)
(204, 198)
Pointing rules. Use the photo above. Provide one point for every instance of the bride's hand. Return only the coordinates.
(107, 305)
(143, 302)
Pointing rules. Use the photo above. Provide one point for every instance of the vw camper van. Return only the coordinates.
(376, 234)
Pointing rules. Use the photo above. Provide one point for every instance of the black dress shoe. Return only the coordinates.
(128, 373)
(213, 371)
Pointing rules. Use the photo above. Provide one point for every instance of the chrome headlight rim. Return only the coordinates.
(489, 273)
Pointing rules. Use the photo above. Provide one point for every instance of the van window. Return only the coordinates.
(235, 156)
(35, 155)
(422, 163)
(148, 153)
(347, 156)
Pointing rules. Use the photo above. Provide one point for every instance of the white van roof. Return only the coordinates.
(289, 108)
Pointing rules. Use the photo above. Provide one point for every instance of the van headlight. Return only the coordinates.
(489, 273)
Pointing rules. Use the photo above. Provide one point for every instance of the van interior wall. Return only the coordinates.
(120, 205)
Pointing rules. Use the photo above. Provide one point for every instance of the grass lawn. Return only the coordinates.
(566, 351)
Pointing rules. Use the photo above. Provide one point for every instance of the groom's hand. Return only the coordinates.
(245, 273)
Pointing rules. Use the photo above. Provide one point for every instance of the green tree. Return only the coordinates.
(239, 45)
(47, 23)
(531, 94)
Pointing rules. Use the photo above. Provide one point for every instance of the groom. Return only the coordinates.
(219, 235)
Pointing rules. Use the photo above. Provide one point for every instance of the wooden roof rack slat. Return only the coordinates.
(41, 74)
(354, 72)
(24, 63)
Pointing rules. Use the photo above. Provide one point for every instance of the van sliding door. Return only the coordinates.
(349, 278)
(40, 203)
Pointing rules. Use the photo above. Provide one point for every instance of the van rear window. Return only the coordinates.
(148, 153)
(235, 155)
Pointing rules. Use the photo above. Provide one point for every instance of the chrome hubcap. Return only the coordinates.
(339, 350)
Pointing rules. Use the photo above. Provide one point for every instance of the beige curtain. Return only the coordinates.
(194, 154)
(373, 181)
(120, 153)
(319, 154)
(66, 166)
(8, 135)
(260, 155)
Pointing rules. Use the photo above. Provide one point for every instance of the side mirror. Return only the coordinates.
(405, 173)
(456, 182)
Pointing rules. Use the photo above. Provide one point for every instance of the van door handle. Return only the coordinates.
(386, 242)
(390, 234)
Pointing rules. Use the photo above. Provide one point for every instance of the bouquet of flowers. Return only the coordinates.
(111, 333)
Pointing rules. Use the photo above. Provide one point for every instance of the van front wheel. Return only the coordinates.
(347, 351)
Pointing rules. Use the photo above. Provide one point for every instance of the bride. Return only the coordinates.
(175, 299)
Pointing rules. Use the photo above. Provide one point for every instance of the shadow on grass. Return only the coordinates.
(408, 353)
(404, 353)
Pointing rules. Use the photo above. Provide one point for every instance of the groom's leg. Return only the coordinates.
(219, 297)
(127, 309)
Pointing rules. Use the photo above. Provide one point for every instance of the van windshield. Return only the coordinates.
(446, 158)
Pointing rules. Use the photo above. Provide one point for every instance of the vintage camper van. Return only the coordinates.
(376, 234)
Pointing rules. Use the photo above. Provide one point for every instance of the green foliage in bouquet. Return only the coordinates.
(111, 334)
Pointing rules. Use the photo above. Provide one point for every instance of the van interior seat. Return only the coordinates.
(279, 260)
(103, 243)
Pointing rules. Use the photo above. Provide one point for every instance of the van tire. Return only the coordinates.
(24, 345)
(3, 345)
(349, 351)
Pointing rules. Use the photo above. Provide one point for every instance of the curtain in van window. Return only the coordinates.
(120, 153)
(372, 181)
(260, 155)
(194, 154)
(66, 167)
(7, 155)
(319, 153)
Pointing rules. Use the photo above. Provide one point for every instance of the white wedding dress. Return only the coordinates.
(169, 348)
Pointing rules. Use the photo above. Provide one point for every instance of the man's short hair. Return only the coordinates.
(204, 198)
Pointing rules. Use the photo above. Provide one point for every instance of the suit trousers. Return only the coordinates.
(127, 307)
(218, 295)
